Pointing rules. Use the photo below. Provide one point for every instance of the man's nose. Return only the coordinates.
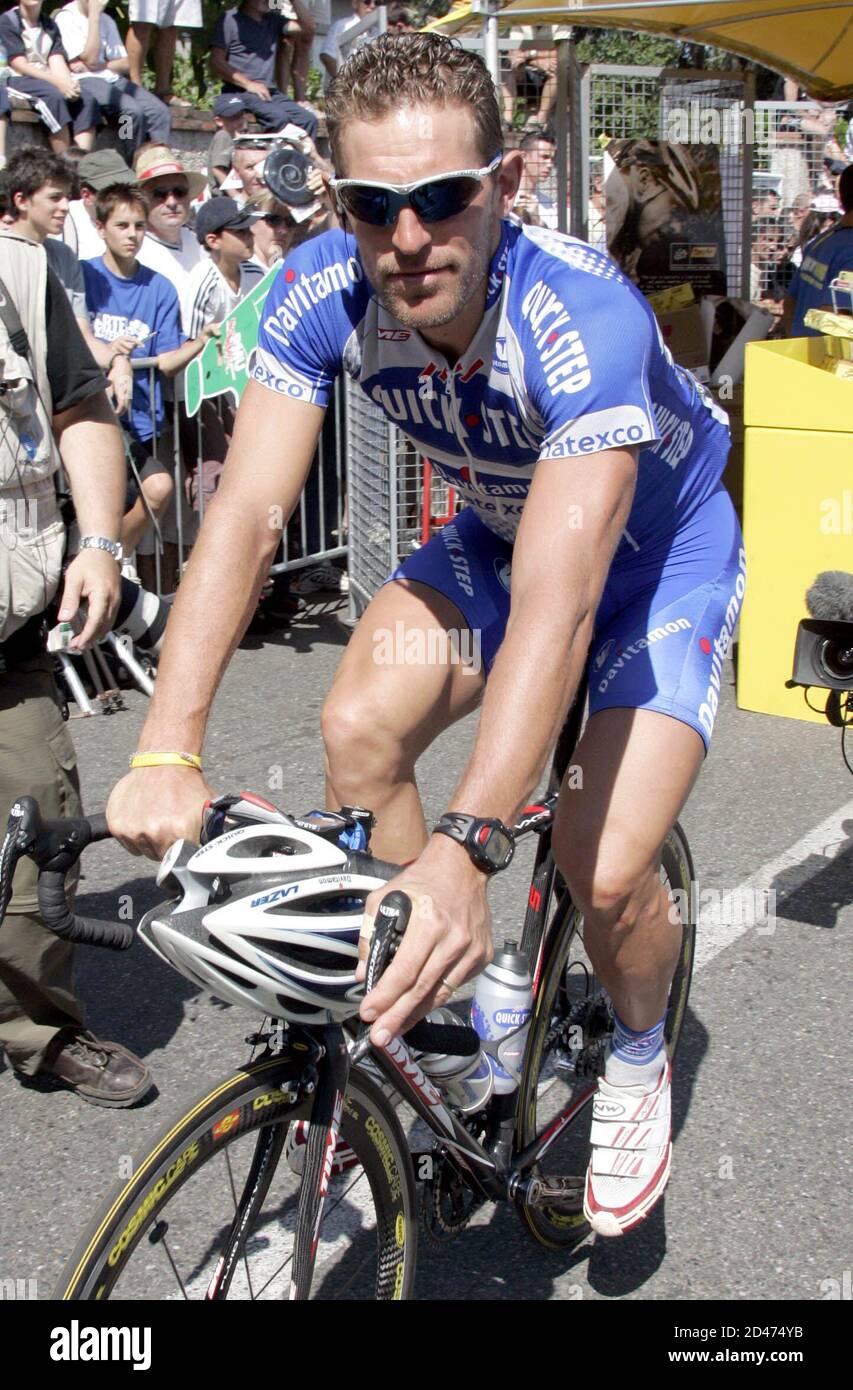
(410, 236)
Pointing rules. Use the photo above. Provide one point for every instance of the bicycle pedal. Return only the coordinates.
(551, 1192)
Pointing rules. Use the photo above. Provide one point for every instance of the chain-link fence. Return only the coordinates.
(778, 163)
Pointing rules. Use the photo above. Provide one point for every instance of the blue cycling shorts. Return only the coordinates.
(664, 624)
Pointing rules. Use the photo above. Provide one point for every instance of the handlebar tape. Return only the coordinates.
(455, 1041)
(58, 917)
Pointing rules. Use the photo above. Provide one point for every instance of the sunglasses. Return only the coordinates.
(275, 219)
(432, 200)
(178, 190)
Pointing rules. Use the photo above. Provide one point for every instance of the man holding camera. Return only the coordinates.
(53, 405)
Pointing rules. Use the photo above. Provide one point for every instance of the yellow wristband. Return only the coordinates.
(165, 760)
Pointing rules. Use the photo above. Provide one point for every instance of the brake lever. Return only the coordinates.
(394, 910)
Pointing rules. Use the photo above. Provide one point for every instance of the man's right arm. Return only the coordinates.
(259, 489)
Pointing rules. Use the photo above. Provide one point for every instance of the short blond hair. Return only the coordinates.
(398, 70)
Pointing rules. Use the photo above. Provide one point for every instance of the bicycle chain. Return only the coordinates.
(438, 1226)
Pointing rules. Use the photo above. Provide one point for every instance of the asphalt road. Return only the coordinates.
(758, 1204)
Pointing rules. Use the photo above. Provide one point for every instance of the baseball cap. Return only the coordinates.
(221, 214)
(228, 104)
(102, 168)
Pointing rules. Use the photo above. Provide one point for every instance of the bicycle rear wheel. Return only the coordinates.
(571, 1026)
(211, 1211)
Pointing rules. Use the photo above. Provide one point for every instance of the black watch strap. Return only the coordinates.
(489, 844)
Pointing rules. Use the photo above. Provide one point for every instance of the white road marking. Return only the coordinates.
(718, 926)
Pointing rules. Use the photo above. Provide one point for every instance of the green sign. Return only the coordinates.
(220, 370)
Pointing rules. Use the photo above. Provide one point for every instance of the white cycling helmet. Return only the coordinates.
(281, 940)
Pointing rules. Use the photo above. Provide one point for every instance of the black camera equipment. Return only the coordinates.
(286, 171)
(823, 656)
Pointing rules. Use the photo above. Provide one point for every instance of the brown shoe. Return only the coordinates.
(103, 1073)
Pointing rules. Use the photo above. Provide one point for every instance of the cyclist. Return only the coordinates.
(533, 375)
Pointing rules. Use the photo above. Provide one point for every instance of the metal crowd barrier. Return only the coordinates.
(316, 532)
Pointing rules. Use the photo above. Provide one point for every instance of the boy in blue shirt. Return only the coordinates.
(824, 257)
(127, 300)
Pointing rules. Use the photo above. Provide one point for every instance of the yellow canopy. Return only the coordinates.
(809, 40)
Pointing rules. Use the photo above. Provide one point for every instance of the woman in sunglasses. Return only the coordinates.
(532, 374)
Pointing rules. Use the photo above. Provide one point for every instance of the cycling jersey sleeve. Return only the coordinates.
(589, 359)
(311, 311)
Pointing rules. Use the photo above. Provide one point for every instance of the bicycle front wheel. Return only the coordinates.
(210, 1211)
(571, 1026)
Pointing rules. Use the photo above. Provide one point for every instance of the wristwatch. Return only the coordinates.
(488, 842)
(102, 543)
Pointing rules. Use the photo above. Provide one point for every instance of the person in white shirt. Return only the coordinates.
(169, 247)
(217, 284)
(98, 59)
(215, 287)
(330, 53)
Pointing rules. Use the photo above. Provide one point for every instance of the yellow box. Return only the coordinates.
(798, 520)
(783, 391)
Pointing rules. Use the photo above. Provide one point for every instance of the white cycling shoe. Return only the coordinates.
(631, 1153)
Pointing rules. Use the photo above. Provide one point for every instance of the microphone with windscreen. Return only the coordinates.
(830, 599)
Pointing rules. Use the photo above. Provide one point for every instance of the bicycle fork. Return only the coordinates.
(319, 1155)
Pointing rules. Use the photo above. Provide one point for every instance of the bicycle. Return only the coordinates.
(347, 1224)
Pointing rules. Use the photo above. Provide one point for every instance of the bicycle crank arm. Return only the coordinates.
(547, 1192)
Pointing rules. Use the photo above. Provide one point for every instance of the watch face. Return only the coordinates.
(496, 845)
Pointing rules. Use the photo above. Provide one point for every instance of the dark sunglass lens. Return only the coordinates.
(367, 204)
(444, 198)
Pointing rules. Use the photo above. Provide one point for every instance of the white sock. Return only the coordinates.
(620, 1073)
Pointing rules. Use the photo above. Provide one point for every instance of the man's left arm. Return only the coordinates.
(573, 518)
(90, 445)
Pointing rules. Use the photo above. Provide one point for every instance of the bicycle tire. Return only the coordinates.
(122, 1253)
(561, 1228)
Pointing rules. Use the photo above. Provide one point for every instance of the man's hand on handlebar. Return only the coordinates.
(152, 807)
(448, 939)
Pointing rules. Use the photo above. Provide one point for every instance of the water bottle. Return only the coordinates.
(466, 1082)
(500, 1013)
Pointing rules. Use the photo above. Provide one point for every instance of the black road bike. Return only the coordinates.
(221, 1206)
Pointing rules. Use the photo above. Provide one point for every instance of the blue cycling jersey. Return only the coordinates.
(568, 361)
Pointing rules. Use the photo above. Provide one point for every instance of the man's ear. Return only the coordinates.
(508, 179)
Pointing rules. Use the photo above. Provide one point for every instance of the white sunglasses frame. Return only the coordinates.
(404, 190)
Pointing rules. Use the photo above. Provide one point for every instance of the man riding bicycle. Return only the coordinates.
(533, 375)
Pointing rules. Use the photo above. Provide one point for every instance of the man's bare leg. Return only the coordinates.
(381, 712)
(636, 769)
(137, 41)
(164, 59)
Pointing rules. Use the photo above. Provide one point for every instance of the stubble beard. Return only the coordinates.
(435, 311)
